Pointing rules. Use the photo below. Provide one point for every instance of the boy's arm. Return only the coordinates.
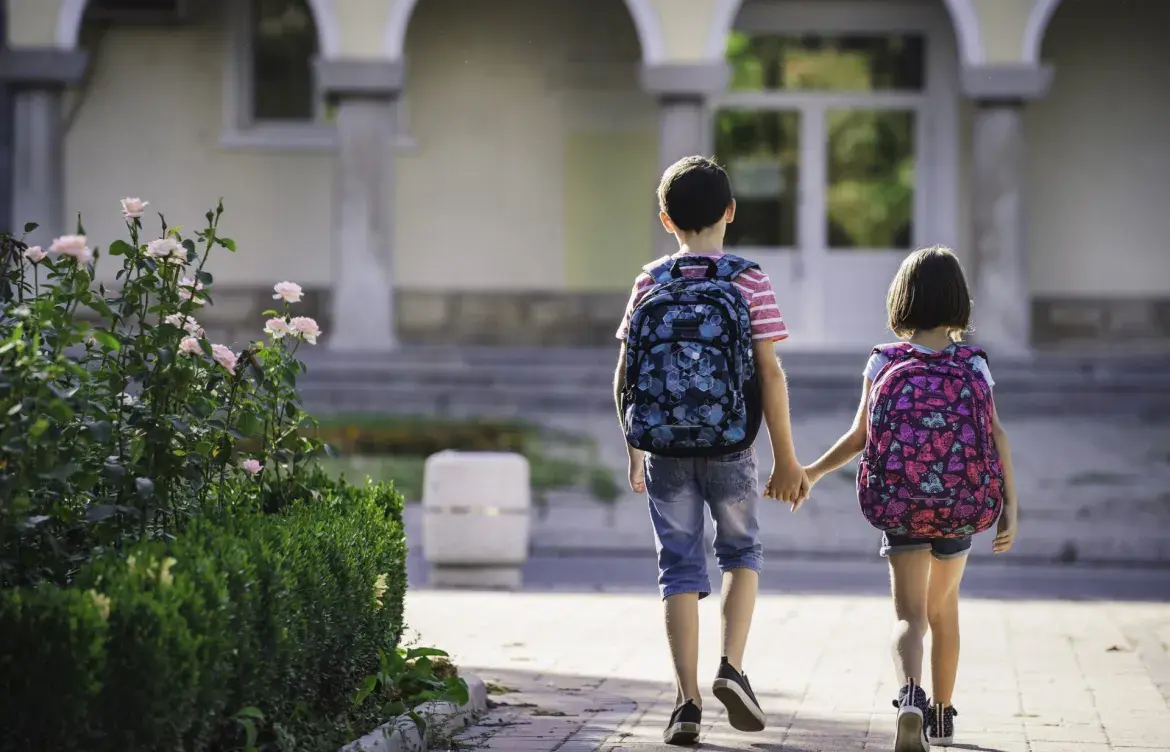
(788, 481)
(849, 445)
(1009, 518)
(635, 468)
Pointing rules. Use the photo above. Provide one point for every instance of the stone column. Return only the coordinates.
(366, 96)
(683, 91)
(1003, 300)
(38, 77)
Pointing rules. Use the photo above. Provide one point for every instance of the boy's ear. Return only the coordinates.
(729, 215)
(667, 223)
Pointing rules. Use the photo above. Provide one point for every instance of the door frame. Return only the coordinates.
(936, 143)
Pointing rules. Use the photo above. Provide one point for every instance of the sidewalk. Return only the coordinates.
(1090, 490)
(583, 672)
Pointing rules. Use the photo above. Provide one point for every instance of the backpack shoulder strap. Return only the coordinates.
(896, 351)
(966, 353)
(659, 269)
(729, 266)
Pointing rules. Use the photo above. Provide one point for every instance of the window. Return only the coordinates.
(283, 45)
(271, 90)
(820, 134)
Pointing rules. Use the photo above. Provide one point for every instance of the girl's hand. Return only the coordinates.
(637, 472)
(1006, 529)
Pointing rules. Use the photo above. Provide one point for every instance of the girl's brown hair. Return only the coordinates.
(929, 291)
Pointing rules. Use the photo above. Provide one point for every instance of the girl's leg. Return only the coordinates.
(942, 611)
(909, 578)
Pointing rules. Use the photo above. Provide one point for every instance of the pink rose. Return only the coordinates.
(34, 254)
(167, 249)
(277, 328)
(252, 467)
(307, 328)
(190, 346)
(223, 355)
(186, 323)
(189, 290)
(74, 246)
(133, 208)
(289, 292)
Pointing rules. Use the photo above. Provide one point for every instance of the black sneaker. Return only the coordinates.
(732, 689)
(941, 725)
(913, 711)
(683, 727)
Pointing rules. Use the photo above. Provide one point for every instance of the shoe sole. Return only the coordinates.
(910, 737)
(682, 734)
(741, 711)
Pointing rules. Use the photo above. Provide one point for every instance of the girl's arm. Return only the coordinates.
(849, 445)
(1009, 518)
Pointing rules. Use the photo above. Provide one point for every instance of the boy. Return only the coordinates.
(696, 204)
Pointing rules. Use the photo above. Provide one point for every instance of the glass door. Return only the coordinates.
(821, 134)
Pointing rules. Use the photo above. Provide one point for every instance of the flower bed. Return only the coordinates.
(175, 571)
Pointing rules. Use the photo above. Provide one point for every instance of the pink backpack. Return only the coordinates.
(930, 468)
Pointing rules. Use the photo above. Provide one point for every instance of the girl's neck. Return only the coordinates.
(701, 247)
(935, 339)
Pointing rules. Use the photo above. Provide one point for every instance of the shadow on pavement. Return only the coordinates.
(536, 711)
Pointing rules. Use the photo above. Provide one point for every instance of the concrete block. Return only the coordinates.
(476, 518)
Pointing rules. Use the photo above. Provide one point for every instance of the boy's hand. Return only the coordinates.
(1006, 529)
(637, 472)
(788, 482)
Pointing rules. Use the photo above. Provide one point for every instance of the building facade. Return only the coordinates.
(482, 171)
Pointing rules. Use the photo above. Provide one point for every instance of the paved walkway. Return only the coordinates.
(577, 672)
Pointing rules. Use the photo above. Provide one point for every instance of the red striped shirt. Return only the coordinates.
(754, 285)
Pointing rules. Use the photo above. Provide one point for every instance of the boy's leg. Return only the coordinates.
(731, 487)
(942, 611)
(676, 509)
(909, 576)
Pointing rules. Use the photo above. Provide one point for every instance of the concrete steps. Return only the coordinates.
(501, 381)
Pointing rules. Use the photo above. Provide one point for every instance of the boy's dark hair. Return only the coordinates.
(929, 291)
(695, 193)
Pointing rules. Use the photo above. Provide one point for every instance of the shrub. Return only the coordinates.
(286, 614)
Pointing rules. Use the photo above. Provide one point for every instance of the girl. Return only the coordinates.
(928, 306)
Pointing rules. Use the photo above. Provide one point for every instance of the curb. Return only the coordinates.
(443, 718)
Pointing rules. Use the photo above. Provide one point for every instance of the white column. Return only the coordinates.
(684, 123)
(38, 78)
(1003, 298)
(1003, 317)
(366, 96)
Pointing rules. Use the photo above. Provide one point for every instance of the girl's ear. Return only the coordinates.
(729, 215)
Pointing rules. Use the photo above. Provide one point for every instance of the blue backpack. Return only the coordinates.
(690, 381)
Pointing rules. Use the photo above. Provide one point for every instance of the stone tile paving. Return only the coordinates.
(1090, 489)
(591, 672)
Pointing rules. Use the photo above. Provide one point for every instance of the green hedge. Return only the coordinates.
(161, 650)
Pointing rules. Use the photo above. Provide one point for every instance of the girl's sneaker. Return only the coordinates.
(684, 723)
(913, 712)
(941, 725)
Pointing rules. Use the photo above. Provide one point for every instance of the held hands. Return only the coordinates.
(789, 482)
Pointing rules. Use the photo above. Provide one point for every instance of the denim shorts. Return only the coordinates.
(940, 548)
(679, 490)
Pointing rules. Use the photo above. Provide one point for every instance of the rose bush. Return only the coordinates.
(119, 430)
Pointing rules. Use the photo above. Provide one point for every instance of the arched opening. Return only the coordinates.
(1099, 171)
(523, 209)
(840, 131)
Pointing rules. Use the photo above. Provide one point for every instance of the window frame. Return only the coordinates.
(242, 131)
